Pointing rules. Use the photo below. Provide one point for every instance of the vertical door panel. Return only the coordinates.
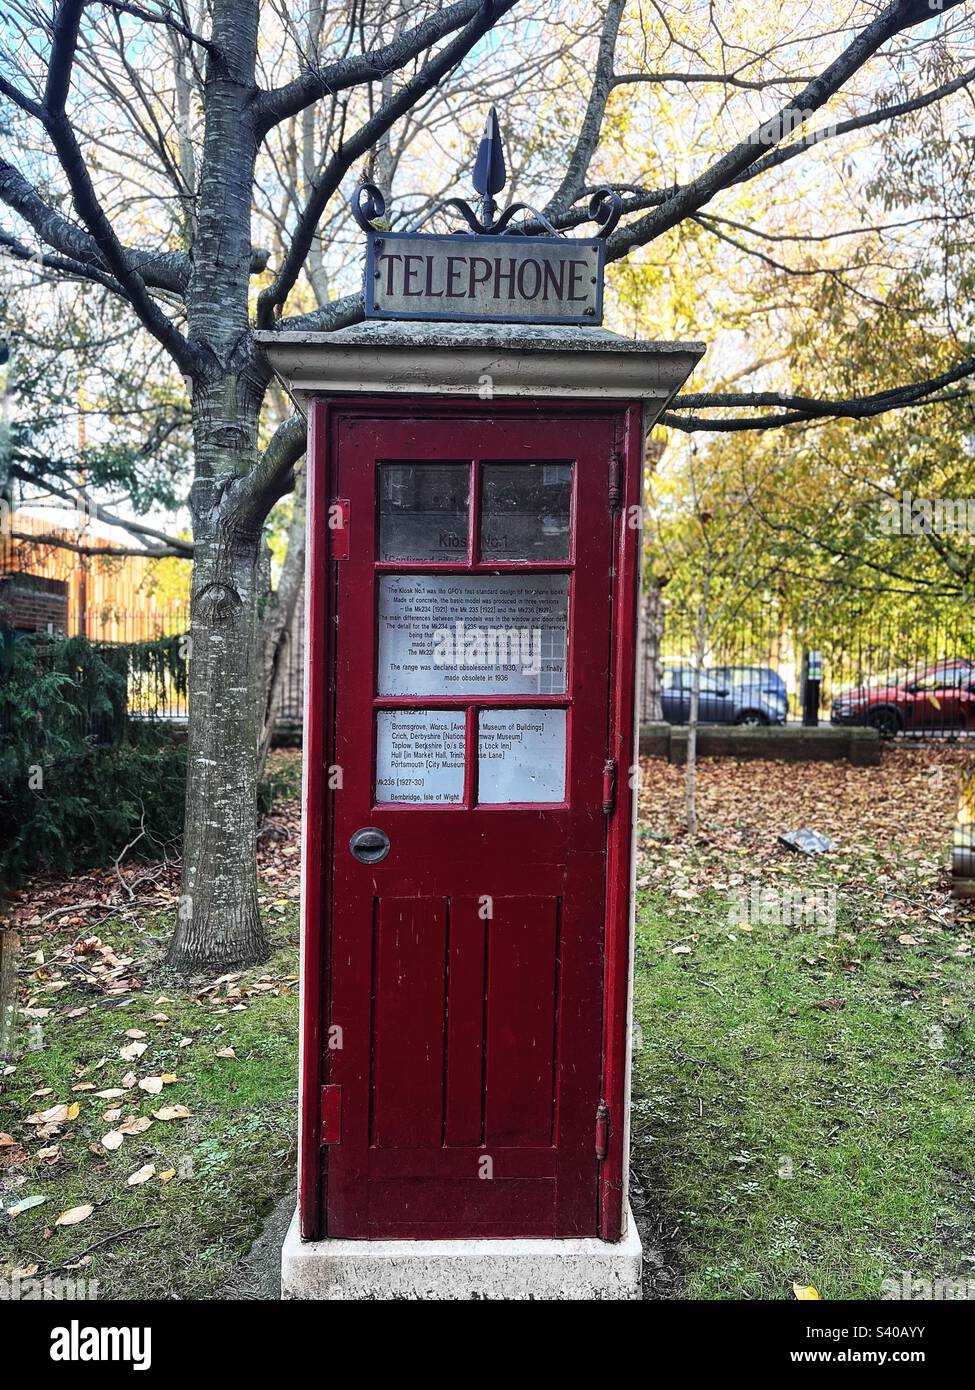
(521, 1008)
(466, 1022)
(408, 1023)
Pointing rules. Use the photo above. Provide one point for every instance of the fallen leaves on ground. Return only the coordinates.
(172, 1112)
(74, 1216)
(892, 824)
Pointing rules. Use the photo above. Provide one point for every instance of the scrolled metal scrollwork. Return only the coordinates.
(490, 175)
(368, 206)
(605, 209)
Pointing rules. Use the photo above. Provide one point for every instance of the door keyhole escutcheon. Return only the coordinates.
(369, 845)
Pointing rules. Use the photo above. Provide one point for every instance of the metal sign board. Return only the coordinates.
(484, 279)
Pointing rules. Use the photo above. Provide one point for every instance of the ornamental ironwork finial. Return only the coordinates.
(489, 177)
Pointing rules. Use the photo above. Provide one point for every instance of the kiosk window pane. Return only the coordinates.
(482, 634)
(525, 512)
(420, 756)
(423, 511)
(521, 755)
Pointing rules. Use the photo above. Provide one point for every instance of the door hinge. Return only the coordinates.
(609, 787)
(602, 1129)
(331, 1115)
(615, 480)
(339, 518)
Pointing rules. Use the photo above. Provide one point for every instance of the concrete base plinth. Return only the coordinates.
(441, 1270)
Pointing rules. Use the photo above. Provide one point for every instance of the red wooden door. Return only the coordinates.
(471, 715)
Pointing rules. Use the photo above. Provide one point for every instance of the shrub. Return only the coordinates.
(78, 781)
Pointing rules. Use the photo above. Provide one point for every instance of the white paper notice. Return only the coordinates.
(420, 756)
(521, 755)
(473, 634)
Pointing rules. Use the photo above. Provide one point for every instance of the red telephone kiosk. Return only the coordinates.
(472, 597)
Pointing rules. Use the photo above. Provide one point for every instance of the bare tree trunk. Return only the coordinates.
(315, 265)
(700, 649)
(277, 627)
(9, 951)
(219, 924)
(653, 631)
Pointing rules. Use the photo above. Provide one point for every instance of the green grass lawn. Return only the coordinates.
(230, 1158)
(804, 1106)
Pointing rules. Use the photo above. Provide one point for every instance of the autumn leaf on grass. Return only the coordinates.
(141, 1175)
(172, 1112)
(165, 1177)
(135, 1124)
(134, 1033)
(25, 1204)
(132, 1051)
(113, 1140)
(806, 1291)
(57, 1115)
(74, 1216)
(827, 1004)
(225, 1052)
(154, 1084)
(7, 1141)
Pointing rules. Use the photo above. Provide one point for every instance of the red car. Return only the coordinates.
(940, 697)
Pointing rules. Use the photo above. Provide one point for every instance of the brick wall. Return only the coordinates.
(29, 603)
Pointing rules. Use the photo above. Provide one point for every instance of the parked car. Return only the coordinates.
(942, 696)
(761, 678)
(721, 701)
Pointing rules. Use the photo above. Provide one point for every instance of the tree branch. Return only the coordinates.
(58, 126)
(592, 121)
(338, 313)
(10, 246)
(64, 42)
(273, 474)
(803, 409)
(897, 16)
(99, 513)
(279, 103)
(167, 18)
(20, 99)
(109, 551)
(881, 113)
(757, 84)
(432, 72)
(165, 270)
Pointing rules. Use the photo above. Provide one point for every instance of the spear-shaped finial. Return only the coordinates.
(490, 174)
